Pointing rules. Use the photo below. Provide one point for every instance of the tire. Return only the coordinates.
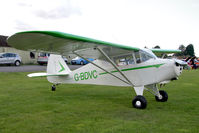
(81, 63)
(53, 88)
(17, 63)
(164, 96)
(139, 102)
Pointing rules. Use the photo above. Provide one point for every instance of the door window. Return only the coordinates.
(124, 60)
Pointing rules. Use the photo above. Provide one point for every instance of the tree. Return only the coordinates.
(157, 47)
(182, 48)
(190, 50)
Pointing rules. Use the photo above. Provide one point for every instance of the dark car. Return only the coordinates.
(80, 61)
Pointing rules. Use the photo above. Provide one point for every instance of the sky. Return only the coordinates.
(137, 23)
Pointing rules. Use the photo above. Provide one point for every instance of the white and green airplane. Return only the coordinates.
(115, 64)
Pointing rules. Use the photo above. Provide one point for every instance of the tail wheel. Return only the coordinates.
(17, 63)
(53, 88)
(139, 102)
(163, 96)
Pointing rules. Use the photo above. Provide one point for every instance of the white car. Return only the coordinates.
(43, 58)
(10, 58)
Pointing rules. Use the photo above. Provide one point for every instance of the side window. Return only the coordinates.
(4, 55)
(7, 55)
(124, 60)
(137, 57)
(12, 55)
(129, 59)
(145, 56)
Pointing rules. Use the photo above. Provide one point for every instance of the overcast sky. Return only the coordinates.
(138, 23)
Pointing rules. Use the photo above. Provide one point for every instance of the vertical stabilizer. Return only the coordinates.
(56, 65)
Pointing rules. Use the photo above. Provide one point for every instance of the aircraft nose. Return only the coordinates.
(178, 68)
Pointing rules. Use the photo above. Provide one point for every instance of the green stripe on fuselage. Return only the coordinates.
(135, 68)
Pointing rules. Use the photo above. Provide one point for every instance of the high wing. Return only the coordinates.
(63, 43)
(162, 52)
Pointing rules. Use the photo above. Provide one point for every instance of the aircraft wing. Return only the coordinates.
(161, 52)
(63, 43)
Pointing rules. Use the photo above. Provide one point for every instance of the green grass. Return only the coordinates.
(27, 105)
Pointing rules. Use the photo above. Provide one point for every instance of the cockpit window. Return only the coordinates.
(133, 58)
(124, 60)
(137, 57)
(145, 56)
(142, 56)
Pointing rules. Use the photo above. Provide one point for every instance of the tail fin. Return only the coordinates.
(57, 66)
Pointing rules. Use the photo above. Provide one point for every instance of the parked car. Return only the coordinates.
(43, 58)
(10, 58)
(80, 61)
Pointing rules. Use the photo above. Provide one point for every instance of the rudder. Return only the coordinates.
(56, 65)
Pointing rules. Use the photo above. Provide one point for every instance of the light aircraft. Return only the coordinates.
(115, 64)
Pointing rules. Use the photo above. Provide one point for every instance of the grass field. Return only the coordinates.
(27, 105)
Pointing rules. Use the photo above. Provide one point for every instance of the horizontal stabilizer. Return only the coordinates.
(44, 75)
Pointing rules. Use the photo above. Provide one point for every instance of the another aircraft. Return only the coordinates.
(115, 64)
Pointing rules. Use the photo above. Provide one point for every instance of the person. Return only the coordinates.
(193, 60)
(187, 59)
(32, 55)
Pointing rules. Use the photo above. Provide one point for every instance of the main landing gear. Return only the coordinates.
(140, 102)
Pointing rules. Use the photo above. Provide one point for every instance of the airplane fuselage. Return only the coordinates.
(149, 72)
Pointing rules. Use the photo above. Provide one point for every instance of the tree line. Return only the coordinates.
(186, 51)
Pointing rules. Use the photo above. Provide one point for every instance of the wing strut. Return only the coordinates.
(115, 66)
(101, 68)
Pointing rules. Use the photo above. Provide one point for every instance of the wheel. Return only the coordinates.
(41, 64)
(163, 96)
(17, 63)
(81, 63)
(139, 102)
(53, 87)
